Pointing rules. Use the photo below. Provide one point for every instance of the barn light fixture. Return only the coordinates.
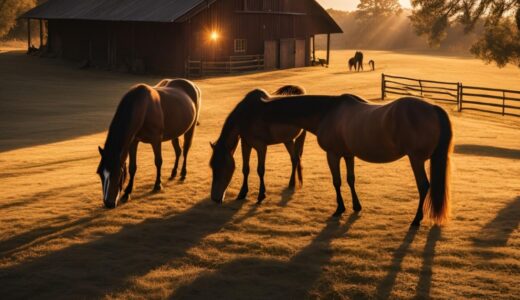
(214, 36)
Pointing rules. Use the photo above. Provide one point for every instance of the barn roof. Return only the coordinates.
(114, 10)
(163, 11)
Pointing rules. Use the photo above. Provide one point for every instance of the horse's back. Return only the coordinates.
(190, 88)
(383, 133)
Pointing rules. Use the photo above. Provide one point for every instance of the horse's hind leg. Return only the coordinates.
(333, 161)
(178, 152)
(422, 185)
(261, 153)
(351, 179)
(294, 161)
(299, 144)
(133, 169)
(156, 146)
(188, 139)
(246, 154)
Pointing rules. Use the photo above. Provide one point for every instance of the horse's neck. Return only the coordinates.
(230, 136)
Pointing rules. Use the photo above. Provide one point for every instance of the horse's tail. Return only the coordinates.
(437, 205)
(298, 148)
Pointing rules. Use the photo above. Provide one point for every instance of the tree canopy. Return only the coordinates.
(499, 42)
(374, 10)
(9, 11)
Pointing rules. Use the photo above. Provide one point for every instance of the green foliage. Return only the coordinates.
(498, 42)
(375, 10)
(10, 10)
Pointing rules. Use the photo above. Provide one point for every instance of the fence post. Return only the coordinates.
(460, 95)
(420, 84)
(383, 86)
(503, 103)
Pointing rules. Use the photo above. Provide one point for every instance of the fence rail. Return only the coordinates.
(234, 64)
(466, 97)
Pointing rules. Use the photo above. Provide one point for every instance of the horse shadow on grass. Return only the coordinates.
(256, 278)
(489, 151)
(496, 233)
(423, 287)
(107, 265)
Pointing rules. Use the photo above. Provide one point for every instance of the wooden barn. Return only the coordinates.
(183, 37)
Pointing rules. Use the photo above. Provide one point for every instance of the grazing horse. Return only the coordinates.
(359, 60)
(372, 64)
(245, 123)
(352, 64)
(149, 115)
(347, 126)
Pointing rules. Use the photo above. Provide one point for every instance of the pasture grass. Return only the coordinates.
(57, 241)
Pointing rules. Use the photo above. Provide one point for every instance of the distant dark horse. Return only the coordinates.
(359, 60)
(372, 64)
(246, 124)
(352, 64)
(347, 126)
(149, 115)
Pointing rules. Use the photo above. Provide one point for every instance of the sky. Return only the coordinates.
(351, 4)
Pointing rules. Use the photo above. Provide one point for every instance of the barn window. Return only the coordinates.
(240, 45)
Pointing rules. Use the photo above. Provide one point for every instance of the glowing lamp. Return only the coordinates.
(214, 36)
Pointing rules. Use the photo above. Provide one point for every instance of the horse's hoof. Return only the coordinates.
(261, 198)
(338, 213)
(157, 188)
(183, 177)
(415, 223)
(357, 208)
(242, 196)
(125, 198)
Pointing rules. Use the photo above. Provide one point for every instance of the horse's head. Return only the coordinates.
(113, 176)
(222, 164)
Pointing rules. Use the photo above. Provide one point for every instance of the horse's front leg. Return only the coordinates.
(156, 146)
(351, 179)
(261, 153)
(423, 185)
(333, 161)
(246, 154)
(294, 162)
(133, 169)
(178, 152)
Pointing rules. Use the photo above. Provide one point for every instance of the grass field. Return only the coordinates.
(57, 241)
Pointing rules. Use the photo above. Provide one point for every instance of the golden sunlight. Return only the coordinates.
(214, 36)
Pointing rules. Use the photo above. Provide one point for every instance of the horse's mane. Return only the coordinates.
(118, 130)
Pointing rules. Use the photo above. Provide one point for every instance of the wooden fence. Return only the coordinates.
(235, 64)
(466, 97)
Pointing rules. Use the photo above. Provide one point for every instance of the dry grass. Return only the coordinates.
(56, 240)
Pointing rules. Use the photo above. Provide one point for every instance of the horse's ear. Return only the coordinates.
(212, 145)
(100, 150)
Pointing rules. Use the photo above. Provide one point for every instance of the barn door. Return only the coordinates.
(287, 53)
(270, 55)
(299, 59)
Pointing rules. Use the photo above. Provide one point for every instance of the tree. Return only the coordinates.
(499, 42)
(373, 10)
(9, 11)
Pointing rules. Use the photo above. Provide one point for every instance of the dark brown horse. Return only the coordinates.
(352, 64)
(347, 126)
(359, 60)
(149, 115)
(244, 123)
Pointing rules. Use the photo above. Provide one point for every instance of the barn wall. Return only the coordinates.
(151, 47)
(165, 47)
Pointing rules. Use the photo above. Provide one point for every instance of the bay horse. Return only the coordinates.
(149, 115)
(245, 124)
(347, 126)
(352, 64)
